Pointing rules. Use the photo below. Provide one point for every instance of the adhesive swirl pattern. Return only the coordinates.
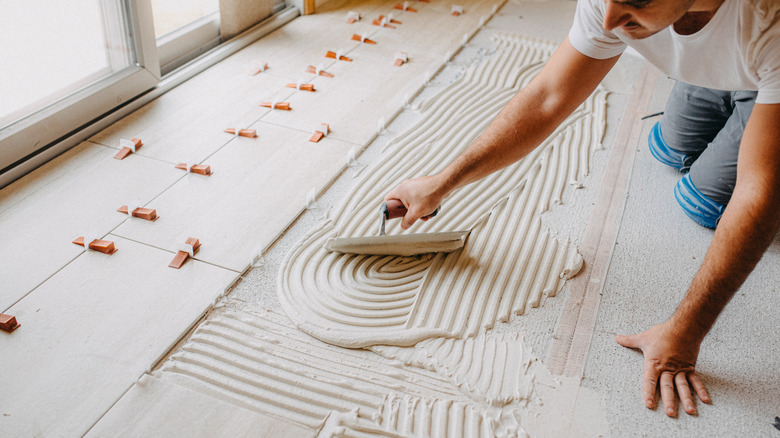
(477, 388)
(509, 264)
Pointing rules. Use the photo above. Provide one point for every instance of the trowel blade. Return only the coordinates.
(402, 245)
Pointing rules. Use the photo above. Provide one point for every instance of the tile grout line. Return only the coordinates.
(113, 404)
(309, 132)
(44, 281)
(172, 252)
(189, 331)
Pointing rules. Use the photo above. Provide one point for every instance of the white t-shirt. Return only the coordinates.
(739, 49)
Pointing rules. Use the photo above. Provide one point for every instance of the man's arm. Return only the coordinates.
(528, 119)
(748, 226)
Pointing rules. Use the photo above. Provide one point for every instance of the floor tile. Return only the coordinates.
(91, 330)
(532, 18)
(76, 194)
(259, 186)
(434, 30)
(302, 42)
(187, 123)
(362, 93)
(154, 407)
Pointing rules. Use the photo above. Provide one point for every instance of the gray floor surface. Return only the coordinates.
(657, 254)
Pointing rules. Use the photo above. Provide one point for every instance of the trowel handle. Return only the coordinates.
(394, 208)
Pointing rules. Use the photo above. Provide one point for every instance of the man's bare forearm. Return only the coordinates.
(745, 231)
(529, 118)
(747, 227)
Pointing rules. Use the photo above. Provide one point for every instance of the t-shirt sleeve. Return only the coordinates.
(767, 59)
(587, 35)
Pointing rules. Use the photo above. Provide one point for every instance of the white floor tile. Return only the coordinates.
(362, 93)
(52, 207)
(154, 407)
(187, 123)
(91, 330)
(258, 188)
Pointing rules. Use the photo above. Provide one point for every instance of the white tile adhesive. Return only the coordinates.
(509, 263)
(421, 360)
(488, 386)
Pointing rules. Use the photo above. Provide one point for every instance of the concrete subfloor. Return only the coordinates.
(655, 257)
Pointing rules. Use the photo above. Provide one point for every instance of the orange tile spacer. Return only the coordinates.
(401, 59)
(303, 87)
(320, 132)
(277, 105)
(362, 39)
(8, 323)
(383, 21)
(338, 56)
(249, 133)
(128, 147)
(318, 71)
(140, 212)
(259, 68)
(457, 10)
(200, 169)
(104, 246)
(188, 250)
(352, 17)
(404, 7)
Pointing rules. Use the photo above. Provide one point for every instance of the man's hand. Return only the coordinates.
(421, 196)
(669, 363)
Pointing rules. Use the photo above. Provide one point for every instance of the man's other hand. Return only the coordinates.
(421, 196)
(669, 363)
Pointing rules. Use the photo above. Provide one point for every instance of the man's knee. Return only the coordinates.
(665, 154)
(696, 205)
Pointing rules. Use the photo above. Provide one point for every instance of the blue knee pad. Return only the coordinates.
(666, 155)
(703, 210)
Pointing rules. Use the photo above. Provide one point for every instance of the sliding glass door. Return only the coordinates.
(185, 29)
(66, 63)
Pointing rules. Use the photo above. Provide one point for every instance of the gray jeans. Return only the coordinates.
(707, 125)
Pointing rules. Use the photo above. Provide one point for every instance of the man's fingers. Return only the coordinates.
(667, 393)
(392, 194)
(648, 385)
(407, 221)
(698, 386)
(628, 341)
(684, 391)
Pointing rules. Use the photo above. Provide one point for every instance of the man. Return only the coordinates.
(729, 140)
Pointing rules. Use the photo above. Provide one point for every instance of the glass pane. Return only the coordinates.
(50, 49)
(170, 15)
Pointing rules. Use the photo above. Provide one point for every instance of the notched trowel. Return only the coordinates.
(402, 245)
